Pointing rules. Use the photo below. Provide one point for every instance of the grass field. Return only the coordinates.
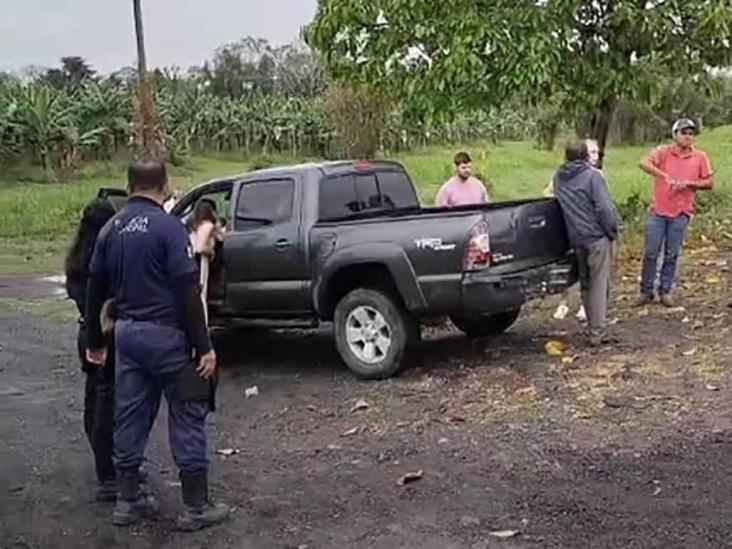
(37, 220)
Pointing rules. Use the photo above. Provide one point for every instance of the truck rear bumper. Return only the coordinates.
(493, 293)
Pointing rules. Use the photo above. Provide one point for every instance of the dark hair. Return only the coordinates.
(95, 216)
(462, 158)
(576, 149)
(204, 210)
(147, 174)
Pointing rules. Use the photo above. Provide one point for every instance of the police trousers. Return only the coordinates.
(150, 360)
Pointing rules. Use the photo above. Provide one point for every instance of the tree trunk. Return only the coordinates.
(600, 125)
(149, 140)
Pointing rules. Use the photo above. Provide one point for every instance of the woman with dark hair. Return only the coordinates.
(203, 230)
(99, 389)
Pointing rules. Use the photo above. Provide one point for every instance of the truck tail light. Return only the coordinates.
(478, 250)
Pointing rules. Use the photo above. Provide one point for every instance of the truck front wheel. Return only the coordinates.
(486, 325)
(371, 333)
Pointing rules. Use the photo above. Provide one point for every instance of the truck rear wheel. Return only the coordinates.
(486, 325)
(371, 333)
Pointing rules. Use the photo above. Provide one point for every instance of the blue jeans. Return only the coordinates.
(150, 359)
(660, 230)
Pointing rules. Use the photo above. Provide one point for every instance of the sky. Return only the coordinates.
(177, 32)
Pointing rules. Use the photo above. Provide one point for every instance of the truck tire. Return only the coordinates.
(371, 333)
(486, 325)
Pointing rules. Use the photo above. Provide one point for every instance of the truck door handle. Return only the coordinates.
(282, 244)
(537, 222)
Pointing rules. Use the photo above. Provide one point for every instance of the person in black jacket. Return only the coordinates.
(99, 387)
(592, 227)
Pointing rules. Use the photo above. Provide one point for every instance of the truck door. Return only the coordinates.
(264, 255)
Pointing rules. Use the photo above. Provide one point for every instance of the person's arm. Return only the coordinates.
(651, 162)
(484, 194)
(548, 191)
(706, 176)
(604, 207)
(442, 197)
(183, 274)
(97, 290)
(204, 238)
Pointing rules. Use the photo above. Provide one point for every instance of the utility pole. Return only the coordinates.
(148, 137)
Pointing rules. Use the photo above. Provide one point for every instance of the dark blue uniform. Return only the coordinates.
(145, 258)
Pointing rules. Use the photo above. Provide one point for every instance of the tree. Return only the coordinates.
(444, 56)
(72, 72)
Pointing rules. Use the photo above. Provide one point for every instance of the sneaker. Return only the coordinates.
(582, 314)
(598, 340)
(127, 513)
(106, 491)
(668, 301)
(643, 300)
(194, 519)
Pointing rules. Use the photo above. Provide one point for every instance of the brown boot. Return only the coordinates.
(668, 301)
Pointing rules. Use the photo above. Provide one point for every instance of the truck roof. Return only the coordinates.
(334, 167)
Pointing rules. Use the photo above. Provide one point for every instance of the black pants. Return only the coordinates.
(99, 408)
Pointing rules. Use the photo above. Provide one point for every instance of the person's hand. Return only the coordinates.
(96, 356)
(679, 185)
(207, 365)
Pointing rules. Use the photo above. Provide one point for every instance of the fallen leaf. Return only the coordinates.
(685, 320)
(361, 404)
(657, 491)
(554, 348)
(712, 279)
(251, 391)
(711, 387)
(690, 352)
(333, 447)
(410, 477)
(505, 534)
(351, 432)
(569, 359)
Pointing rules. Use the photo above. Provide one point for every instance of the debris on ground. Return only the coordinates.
(226, 452)
(361, 404)
(410, 477)
(251, 391)
(554, 348)
(505, 534)
(351, 432)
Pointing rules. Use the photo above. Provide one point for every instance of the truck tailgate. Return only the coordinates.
(526, 235)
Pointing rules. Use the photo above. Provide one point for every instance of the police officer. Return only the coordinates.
(144, 261)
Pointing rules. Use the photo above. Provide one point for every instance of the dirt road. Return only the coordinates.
(626, 447)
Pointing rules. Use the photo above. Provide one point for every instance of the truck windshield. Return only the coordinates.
(349, 194)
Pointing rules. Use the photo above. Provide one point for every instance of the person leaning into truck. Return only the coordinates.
(592, 227)
(462, 189)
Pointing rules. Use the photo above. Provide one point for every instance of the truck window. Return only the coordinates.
(338, 197)
(345, 195)
(397, 190)
(264, 203)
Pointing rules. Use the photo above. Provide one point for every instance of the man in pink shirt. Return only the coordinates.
(679, 170)
(462, 189)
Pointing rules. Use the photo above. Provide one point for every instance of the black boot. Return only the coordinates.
(199, 513)
(132, 504)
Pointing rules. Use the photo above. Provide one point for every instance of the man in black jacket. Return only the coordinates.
(143, 259)
(592, 227)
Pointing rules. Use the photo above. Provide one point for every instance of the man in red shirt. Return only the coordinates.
(679, 170)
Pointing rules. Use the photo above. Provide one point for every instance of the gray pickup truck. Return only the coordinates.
(348, 242)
